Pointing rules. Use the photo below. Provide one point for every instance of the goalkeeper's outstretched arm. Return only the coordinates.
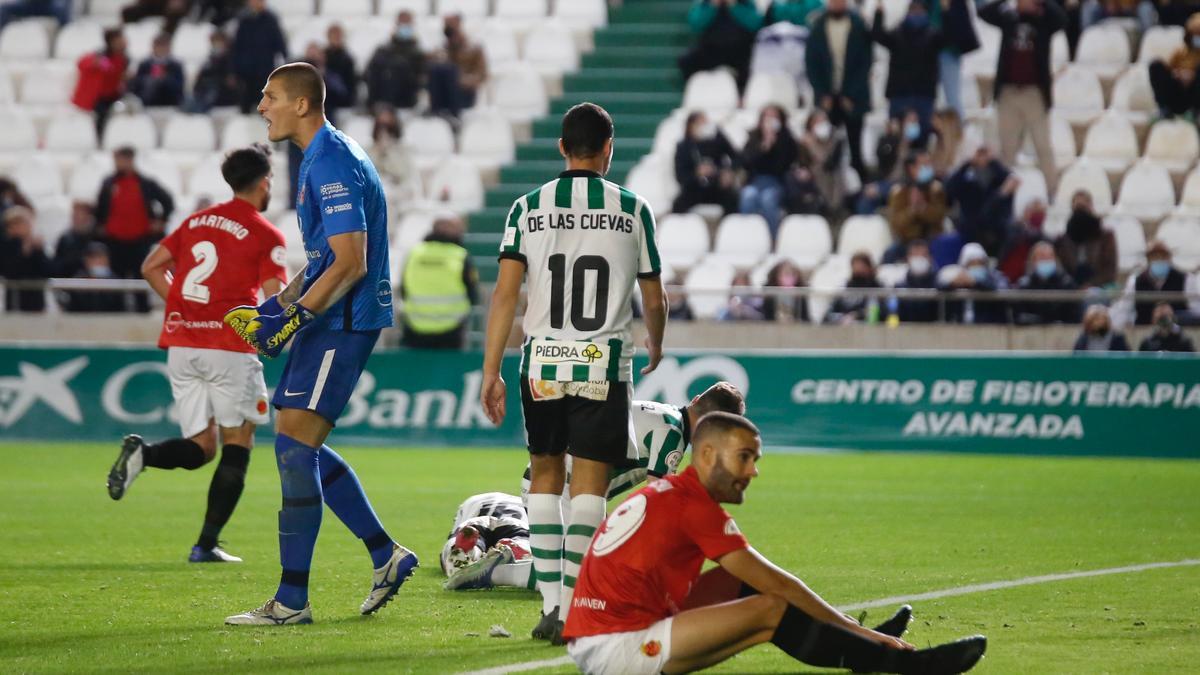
(349, 265)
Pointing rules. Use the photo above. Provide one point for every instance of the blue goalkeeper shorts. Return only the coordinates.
(322, 370)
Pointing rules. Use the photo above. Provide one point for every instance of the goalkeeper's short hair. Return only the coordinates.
(244, 167)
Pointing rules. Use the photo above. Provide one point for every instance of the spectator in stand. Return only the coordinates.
(913, 48)
(457, 73)
(785, 274)
(96, 265)
(172, 11)
(68, 253)
(1167, 335)
(1176, 12)
(677, 301)
(1021, 238)
(799, 12)
(894, 143)
(219, 12)
(705, 164)
(337, 93)
(1174, 82)
(982, 189)
(339, 62)
(1097, 334)
(132, 210)
(1093, 12)
(945, 143)
(11, 195)
(159, 78)
(1159, 275)
(725, 37)
(23, 258)
(394, 160)
(916, 207)
(216, 84)
(60, 10)
(976, 274)
(857, 307)
(953, 19)
(820, 155)
(102, 77)
(768, 155)
(743, 306)
(1044, 274)
(838, 61)
(258, 46)
(1022, 90)
(922, 273)
(396, 71)
(1088, 250)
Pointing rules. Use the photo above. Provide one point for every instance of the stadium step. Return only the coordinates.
(622, 79)
(663, 11)
(632, 57)
(629, 126)
(639, 34)
(537, 172)
(621, 103)
(547, 149)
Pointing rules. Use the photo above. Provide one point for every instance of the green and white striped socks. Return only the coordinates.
(546, 542)
(587, 512)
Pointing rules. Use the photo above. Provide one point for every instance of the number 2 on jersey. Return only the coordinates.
(194, 289)
(558, 281)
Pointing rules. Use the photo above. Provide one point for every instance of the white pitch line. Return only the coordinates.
(898, 599)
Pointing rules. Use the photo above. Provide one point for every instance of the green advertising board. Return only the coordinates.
(1131, 405)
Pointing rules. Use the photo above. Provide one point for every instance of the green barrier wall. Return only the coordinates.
(1127, 405)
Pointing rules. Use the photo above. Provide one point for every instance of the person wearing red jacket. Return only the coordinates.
(102, 77)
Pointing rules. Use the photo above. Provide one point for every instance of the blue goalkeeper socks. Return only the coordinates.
(345, 497)
(299, 519)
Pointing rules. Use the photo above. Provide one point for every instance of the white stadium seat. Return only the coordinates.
(19, 132)
(653, 178)
(1147, 192)
(347, 9)
(713, 91)
(190, 43)
(1133, 97)
(707, 287)
(140, 38)
(805, 240)
(771, 87)
(499, 44)
(1158, 42)
(582, 14)
(487, 140)
(1103, 49)
(49, 84)
(1078, 95)
(467, 8)
(683, 239)
(242, 130)
(743, 240)
(363, 38)
(1131, 241)
(1033, 186)
(137, 131)
(206, 180)
(1189, 197)
(982, 61)
(8, 93)
(1060, 52)
(1062, 143)
(106, 10)
(294, 7)
(1174, 144)
(71, 131)
(827, 279)
(25, 40)
(78, 38)
(550, 49)
(163, 169)
(189, 133)
(521, 10)
(359, 127)
(390, 8)
(891, 274)
(53, 218)
(1111, 142)
(87, 176)
(431, 140)
(1181, 234)
(669, 132)
(457, 180)
(39, 176)
(310, 31)
(864, 233)
(519, 93)
(1084, 175)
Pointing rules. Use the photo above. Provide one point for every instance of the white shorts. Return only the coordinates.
(216, 384)
(640, 651)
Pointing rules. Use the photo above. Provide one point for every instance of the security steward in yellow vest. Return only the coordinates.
(438, 288)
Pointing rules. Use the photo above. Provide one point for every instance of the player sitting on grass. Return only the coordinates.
(642, 606)
(221, 257)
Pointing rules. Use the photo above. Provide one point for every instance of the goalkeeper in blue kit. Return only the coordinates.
(332, 314)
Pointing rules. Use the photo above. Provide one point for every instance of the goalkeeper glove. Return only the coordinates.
(268, 334)
(271, 306)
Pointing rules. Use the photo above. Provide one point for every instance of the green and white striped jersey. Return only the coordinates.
(584, 241)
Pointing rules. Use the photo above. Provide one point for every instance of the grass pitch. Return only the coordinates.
(91, 585)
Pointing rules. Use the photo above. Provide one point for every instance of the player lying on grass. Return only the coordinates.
(220, 257)
(642, 606)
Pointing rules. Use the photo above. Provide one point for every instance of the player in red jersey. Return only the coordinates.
(221, 257)
(642, 606)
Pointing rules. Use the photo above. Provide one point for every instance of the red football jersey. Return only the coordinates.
(222, 255)
(647, 554)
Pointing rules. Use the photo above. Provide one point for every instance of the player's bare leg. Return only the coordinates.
(707, 636)
(548, 474)
(225, 489)
(589, 485)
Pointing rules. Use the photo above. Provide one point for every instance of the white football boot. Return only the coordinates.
(478, 575)
(127, 467)
(388, 579)
(273, 613)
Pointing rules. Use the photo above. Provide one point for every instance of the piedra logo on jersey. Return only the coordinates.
(19, 393)
(567, 352)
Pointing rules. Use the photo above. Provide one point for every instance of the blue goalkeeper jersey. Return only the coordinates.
(340, 192)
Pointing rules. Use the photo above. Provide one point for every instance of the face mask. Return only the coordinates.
(99, 271)
(919, 265)
(924, 174)
(912, 131)
(916, 21)
(1165, 323)
(1045, 268)
(773, 124)
(823, 130)
(404, 32)
(707, 130)
(1160, 268)
(1195, 42)
(978, 272)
